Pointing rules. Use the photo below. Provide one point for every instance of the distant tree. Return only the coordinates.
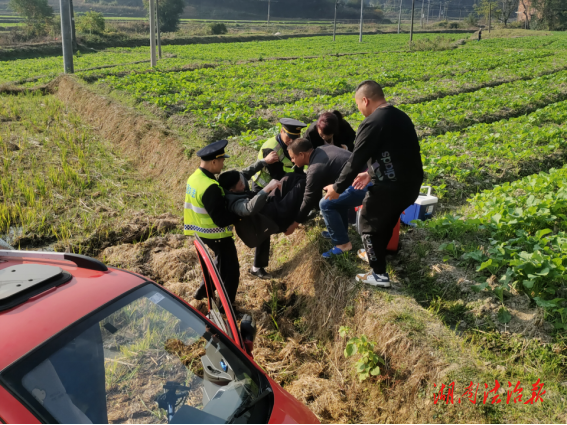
(38, 14)
(218, 28)
(507, 9)
(169, 13)
(486, 7)
(90, 22)
(549, 14)
(471, 20)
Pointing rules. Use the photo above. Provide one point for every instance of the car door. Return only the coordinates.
(218, 301)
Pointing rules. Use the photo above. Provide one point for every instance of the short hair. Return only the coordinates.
(229, 179)
(328, 123)
(300, 145)
(370, 89)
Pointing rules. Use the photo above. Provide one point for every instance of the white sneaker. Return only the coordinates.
(361, 253)
(382, 280)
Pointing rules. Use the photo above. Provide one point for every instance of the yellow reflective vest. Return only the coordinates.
(196, 217)
(262, 177)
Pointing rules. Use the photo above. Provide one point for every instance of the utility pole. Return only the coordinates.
(439, 17)
(421, 19)
(489, 16)
(412, 13)
(269, 1)
(361, 8)
(153, 33)
(75, 47)
(157, 27)
(400, 16)
(428, 6)
(335, 21)
(66, 36)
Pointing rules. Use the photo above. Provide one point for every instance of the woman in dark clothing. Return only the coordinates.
(331, 129)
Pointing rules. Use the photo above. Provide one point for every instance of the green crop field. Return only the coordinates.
(491, 117)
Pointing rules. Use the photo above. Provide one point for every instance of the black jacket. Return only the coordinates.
(345, 136)
(251, 226)
(215, 204)
(325, 166)
(387, 141)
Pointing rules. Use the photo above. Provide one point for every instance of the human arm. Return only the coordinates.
(366, 141)
(248, 172)
(215, 204)
(245, 207)
(313, 191)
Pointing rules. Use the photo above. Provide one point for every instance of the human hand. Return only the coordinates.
(361, 181)
(291, 228)
(274, 184)
(272, 157)
(331, 194)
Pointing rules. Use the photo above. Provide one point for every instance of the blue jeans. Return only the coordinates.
(335, 213)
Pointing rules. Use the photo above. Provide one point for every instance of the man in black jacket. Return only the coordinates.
(266, 212)
(325, 165)
(386, 142)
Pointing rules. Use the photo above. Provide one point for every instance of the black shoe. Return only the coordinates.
(261, 273)
(200, 293)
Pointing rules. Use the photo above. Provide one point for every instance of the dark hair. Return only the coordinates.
(370, 89)
(300, 145)
(328, 123)
(229, 179)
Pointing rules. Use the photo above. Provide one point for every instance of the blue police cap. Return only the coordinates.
(292, 127)
(213, 151)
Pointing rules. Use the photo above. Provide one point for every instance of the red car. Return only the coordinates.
(87, 343)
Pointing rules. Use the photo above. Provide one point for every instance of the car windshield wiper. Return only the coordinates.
(247, 406)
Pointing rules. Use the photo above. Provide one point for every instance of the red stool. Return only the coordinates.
(394, 243)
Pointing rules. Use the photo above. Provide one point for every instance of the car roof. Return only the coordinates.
(28, 325)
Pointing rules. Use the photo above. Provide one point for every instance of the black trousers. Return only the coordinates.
(226, 260)
(381, 210)
(282, 208)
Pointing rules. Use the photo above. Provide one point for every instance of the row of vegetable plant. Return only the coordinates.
(522, 231)
(177, 56)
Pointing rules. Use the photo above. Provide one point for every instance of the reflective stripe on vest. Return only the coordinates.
(262, 177)
(196, 218)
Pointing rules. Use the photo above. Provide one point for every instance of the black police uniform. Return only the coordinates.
(226, 256)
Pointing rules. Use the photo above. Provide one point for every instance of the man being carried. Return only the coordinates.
(387, 143)
(290, 130)
(267, 212)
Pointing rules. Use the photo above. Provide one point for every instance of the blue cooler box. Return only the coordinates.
(422, 209)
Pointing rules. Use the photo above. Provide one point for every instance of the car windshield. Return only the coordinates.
(146, 358)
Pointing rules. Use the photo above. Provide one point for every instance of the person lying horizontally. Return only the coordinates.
(264, 213)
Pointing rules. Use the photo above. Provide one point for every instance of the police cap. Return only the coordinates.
(213, 151)
(292, 127)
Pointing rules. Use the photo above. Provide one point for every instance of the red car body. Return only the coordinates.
(35, 321)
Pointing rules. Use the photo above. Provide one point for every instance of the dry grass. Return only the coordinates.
(154, 150)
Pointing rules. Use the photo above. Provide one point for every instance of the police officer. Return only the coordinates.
(206, 215)
(290, 130)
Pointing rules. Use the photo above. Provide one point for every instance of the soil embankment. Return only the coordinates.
(155, 150)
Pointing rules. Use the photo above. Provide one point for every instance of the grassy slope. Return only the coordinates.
(60, 180)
